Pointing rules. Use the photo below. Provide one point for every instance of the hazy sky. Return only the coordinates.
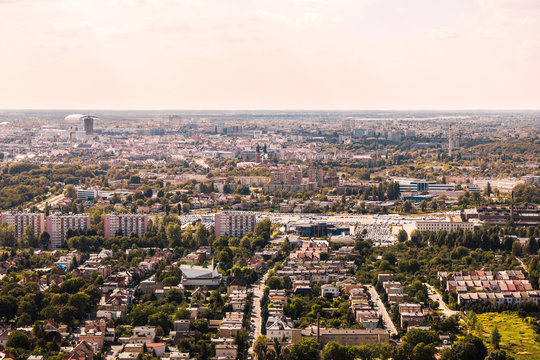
(270, 54)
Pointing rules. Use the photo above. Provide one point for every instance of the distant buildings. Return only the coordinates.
(59, 224)
(286, 177)
(234, 223)
(531, 179)
(434, 225)
(500, 215)
(126, 223)
(87, 194)
(20, 220)
(419, 185)
(200, 276)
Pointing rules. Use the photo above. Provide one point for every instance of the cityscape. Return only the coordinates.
(269, 180)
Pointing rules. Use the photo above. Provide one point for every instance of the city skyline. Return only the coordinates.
(282, 55)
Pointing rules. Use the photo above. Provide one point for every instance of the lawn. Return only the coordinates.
(517, 336)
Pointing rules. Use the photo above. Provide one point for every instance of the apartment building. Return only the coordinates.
(234, 223)
(59, 224)
(126, 223)
(435, 226)
(20, 220)
(286, 177)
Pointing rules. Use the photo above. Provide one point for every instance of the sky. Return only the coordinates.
(270, 54)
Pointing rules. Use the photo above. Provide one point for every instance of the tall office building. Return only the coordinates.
(20, 220)
(58, 225)
(88, 124)
(234, 223)
(127, 223)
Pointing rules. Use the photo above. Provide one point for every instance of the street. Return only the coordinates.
(381, 309)
(51, 201)
(435, 296)
(255, 328)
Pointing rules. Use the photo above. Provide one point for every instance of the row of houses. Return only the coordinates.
(485, 281)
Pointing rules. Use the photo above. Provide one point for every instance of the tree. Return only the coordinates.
(18, 339)
(495, 338)
(7, 236)
(29, 237)
(174, 296)
(263, 228)
(488, 190)
(305, 349)
(173, 232)
(260, 348)
(277, 349)
(44, 240)
(201, 235)
(70, 192)
(498, 355)
(407, 206)
(402, 236)
(468, 348)
(334, 351)
(516, 248)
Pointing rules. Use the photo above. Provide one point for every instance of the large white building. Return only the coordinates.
(419, 185)
(435, 225)
(126, 223)
(59, 224)
(234, 223)
(20, 220)
(87, 194)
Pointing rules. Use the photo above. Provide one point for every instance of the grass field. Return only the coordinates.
(517, 336)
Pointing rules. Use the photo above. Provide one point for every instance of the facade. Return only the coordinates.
(347, 336)
(287, 177)
(20, 220)
(87, 194)
(417, 185)
(498, 299)
(126, 223)
(59, 224)
(234, 223)
(435, 226)
(200, 276)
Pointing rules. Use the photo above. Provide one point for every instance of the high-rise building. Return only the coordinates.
(234, 223)
(20, 220)
(126, 223)
(316, 176)
(286, 177)
(59, 224)
(88, 124)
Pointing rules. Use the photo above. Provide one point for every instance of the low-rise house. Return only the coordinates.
(143, 335)
(226, 351)
(158, 349)
(329, 290)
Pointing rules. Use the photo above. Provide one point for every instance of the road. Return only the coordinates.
(255, 329)
(435, 296)
(51, 201)
(381, 309)
(522, 263)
